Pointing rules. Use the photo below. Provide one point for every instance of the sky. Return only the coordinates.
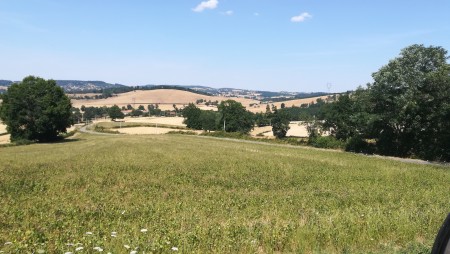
(274, 45)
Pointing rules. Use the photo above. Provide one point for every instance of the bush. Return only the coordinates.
(326, 142)
(222, 134)
(182, 132)
(358, 145)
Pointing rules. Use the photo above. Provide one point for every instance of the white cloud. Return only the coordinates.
(302, 17)
(228, 13)
(209, 4)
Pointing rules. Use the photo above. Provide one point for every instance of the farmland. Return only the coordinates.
(167, 97)
(4, 137)
(167, 193)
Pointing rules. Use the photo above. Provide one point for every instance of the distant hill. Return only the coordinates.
(74, 86)
(5, 82)
(77, 86)
(108, 89)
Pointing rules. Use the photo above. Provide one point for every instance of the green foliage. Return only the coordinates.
(76, 116)
(328, 142)
(235, 198)
(35, 109)
(209, 120)
(223, 134)
(358, 145)
(306, 111)
(95, 112)
(263, 119)
(409, 96)
(405, 111)
(136, 113)
(115, 112)
(280, 123)
(235, 117)
(153, 110)
(191, 116)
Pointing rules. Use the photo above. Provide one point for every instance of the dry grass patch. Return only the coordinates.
(164, 97)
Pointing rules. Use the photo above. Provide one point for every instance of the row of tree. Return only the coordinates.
(404, 112)
(233, 117)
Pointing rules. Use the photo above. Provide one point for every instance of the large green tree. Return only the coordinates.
(235, 117)
(209, 120)
(280, 123)
(191, 116)
(408, 97)
(115, 112)
(35, 109)
(404, 112)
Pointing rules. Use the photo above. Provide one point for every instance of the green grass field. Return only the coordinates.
(173, 193)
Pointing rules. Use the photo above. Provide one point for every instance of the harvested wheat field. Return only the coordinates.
(4, 139)
(2, 128)
(175, 121)
(296, 130)
(147, 130)
(288, 104)
(164, 97)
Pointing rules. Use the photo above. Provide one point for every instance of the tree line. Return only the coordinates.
(405, 112)
(233, 117)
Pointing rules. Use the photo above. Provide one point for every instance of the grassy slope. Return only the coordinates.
(214, 196)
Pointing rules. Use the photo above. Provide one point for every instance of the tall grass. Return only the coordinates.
(187, 194)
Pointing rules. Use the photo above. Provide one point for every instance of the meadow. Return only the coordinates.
(177, 193)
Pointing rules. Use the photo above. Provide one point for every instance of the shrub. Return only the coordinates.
(358, 145)
(326, 142)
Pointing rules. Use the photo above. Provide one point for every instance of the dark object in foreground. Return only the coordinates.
(442, 242)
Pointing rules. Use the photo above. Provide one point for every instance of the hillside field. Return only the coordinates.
(167, 97)
(168, 193)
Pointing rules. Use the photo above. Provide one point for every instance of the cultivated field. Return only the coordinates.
(148, 130)
(4, 139)
(2, 128)
(174, 121)
(296, 130)
(167, 193)
(288, 104)
(164, 97)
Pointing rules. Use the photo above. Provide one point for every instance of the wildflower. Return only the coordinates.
(123, 212)
(98, 249)
(88, 233)
(174, 248)
(144, 230)
(79, 248)
(67, 252)
(126, 246)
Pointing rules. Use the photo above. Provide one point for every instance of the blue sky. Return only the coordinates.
(290, 45)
